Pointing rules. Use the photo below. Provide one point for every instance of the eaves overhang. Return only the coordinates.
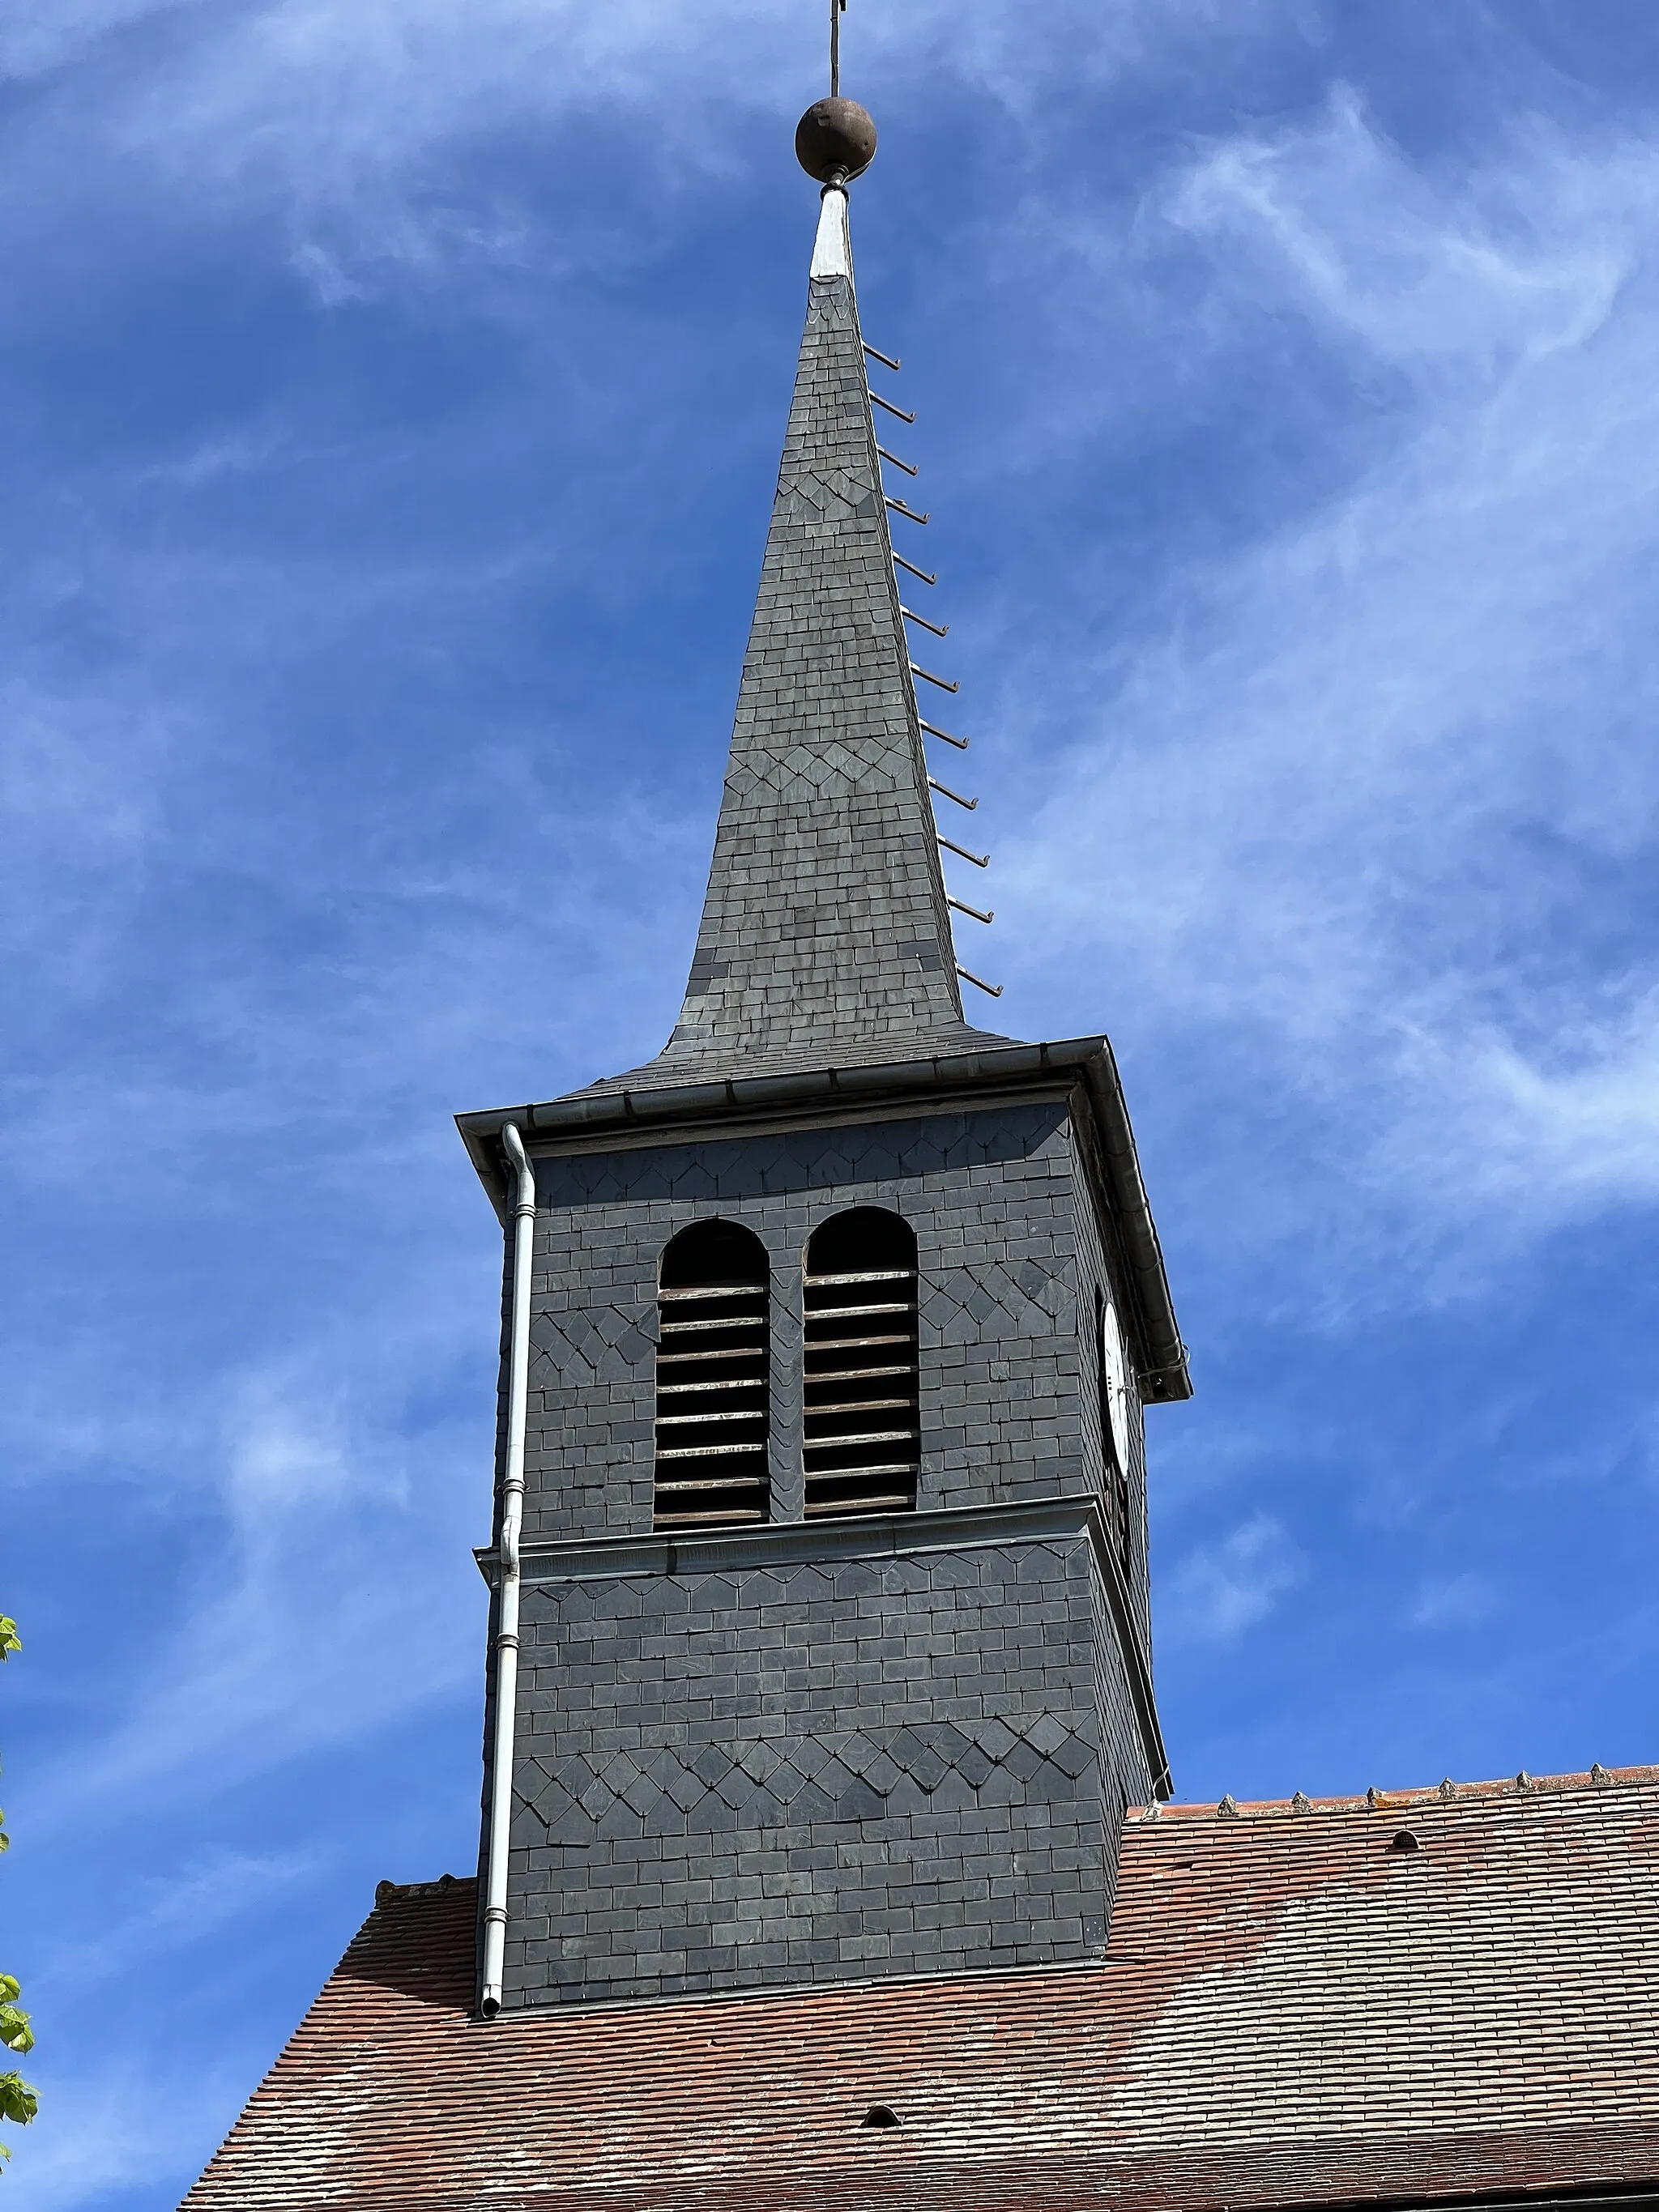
(1084, 1064)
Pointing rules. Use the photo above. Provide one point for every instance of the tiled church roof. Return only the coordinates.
(1296, 2008)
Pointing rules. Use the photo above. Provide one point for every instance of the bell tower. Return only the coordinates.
(820, 1647)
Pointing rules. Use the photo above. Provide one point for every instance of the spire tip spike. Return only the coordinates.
(835, 140)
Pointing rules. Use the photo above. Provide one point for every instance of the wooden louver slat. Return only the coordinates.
(712, 1378)
(862, 1445)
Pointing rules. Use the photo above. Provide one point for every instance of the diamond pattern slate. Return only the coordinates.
(766, 1782)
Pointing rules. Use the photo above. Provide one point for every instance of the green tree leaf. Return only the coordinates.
(18, 2101)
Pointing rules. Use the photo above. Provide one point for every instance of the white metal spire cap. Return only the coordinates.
(832, 249)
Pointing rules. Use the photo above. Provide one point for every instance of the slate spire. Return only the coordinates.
(825, 935)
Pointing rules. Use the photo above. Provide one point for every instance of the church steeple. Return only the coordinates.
(821, 1644)
(825, 933)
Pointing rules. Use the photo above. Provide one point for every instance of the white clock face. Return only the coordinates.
(1117, 1389)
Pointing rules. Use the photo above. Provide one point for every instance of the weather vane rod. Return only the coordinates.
(835, 140)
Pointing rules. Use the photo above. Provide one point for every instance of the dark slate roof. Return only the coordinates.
(1293, 2010)
(825, 939)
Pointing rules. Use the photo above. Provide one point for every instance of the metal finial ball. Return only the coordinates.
(835, 136)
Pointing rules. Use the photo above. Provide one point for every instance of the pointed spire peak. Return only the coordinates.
(826, 937)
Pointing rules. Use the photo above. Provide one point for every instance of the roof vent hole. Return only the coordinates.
(880, 2116)
(1405, 1841)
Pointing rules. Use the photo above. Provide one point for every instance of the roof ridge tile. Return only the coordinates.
(1596, 1777)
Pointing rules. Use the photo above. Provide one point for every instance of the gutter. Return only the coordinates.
(1166, 1375)
(507, 1581)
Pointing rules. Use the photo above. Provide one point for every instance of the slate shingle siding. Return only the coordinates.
(813, 1771)
(825, 916)
(825, 931)
(1008, 1264)
(821, 1769)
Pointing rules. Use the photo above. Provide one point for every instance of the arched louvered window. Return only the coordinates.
(711, 1374)
(863, 1436)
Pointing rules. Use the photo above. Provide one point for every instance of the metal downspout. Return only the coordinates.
(507, 1628)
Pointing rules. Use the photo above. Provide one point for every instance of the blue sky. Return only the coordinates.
(390, 395)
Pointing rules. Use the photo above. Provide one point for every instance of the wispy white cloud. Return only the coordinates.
(1453, 1602)
(38, 35)
(1452, 278)
(341, 1597)
(1221, 1588)
(187, 1907)
(340, 112)
(1352, 781)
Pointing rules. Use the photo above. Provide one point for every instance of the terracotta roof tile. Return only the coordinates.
(1290, 2011)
